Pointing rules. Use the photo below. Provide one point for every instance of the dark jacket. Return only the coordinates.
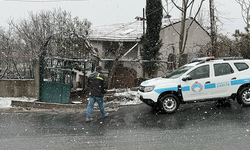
(97, 84)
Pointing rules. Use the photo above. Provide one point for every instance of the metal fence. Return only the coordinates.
(129, 73)
(67, 63)
(14, 67)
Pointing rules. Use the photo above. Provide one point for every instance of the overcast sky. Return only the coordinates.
(101, 12)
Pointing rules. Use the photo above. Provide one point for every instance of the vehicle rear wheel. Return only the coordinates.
(244, 96)
(169, 103)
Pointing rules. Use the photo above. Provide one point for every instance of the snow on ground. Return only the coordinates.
(5, 102)
(127, 97)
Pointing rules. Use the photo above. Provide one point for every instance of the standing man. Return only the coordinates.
(98, 86)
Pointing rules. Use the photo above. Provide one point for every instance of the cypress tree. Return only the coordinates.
(151, 42)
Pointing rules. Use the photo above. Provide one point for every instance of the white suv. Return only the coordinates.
(201, 80)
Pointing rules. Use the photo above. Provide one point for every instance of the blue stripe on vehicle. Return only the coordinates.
(185, 88)
(159, 91)
(206, 86)
(241, 81)
(210, 86)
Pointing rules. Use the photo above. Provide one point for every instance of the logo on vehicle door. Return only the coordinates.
(197, 87)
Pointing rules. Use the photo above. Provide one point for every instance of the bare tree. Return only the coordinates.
(115, 65)
(245, 11)
(10, 59)
(202, 18)
(53, 33)
(6, 50)
(34, 32)
(70, 34)
(47, 33)
(187, 10)
(243, 39)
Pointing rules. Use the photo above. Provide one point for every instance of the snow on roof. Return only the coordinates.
(131, 31)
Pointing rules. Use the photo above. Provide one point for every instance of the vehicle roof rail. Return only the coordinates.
(230, 58)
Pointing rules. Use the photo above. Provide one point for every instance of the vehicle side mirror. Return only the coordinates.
(186, 78)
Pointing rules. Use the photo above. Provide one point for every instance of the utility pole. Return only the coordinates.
(213, 29)
(143, 19)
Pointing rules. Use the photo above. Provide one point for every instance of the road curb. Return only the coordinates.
(43, 105)
(24, 106)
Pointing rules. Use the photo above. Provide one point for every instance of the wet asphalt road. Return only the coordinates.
(194, 126)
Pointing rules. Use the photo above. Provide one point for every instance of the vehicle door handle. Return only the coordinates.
(207, 82)
(233, 78)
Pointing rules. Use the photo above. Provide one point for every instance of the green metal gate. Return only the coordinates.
(56, 85)
(55, 77)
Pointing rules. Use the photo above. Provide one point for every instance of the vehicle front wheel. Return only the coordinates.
(169, 103)
(244, 96)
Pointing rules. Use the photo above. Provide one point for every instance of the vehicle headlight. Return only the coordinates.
(149, 88)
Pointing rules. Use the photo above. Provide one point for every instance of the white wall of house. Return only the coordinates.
(129, 58)
(99, 46)
(197, 38)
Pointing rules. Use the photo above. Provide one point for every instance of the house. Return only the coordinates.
(106, 38)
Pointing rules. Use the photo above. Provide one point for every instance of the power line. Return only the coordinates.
(44, 1)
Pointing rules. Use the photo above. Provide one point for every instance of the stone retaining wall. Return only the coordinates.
(20, 88)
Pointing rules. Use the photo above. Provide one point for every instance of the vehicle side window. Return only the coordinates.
(200, 72)
(222, 69)
(241, 66)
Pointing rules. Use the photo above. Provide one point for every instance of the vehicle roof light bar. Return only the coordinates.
(204, 58)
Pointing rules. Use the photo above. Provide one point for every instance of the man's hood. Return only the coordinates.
(93, 75)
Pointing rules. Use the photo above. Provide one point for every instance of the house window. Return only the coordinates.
(108, 64)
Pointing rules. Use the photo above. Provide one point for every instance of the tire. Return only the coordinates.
(244, 96)
(169, 103)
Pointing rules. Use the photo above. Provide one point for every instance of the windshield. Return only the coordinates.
(178, 72)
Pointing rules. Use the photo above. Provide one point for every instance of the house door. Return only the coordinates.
(56, 85)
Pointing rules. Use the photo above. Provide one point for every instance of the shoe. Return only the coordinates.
(106, 115)
(89, 119)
